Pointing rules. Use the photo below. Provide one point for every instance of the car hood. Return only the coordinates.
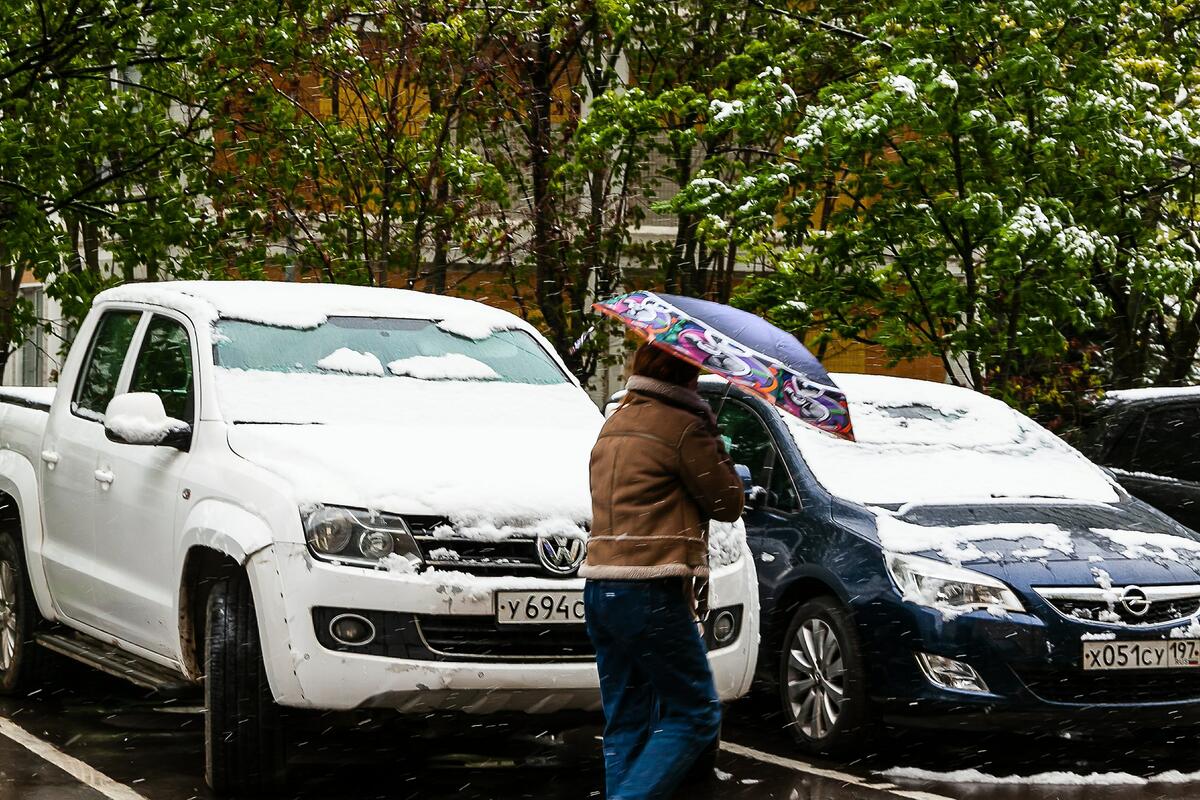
(1040, 544)
(502, 454)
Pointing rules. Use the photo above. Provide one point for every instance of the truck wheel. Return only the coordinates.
(22, 661)
(244, 745)
(822, 684)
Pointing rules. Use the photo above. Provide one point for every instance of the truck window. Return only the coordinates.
(164, 367)
(98, 381)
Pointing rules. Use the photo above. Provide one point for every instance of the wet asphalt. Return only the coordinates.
(151, 748)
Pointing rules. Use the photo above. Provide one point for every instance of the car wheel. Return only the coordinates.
(821, 682)
(244, 745)
(22, 662)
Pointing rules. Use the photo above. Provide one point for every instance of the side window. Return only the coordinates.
(1168, 444)
(1123, 451)
(98, 380)
(164, 367)
(750, 444)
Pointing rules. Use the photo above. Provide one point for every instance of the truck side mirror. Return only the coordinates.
(139, 418)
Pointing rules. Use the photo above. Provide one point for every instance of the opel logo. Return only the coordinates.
(561, 555)
(1135, 601)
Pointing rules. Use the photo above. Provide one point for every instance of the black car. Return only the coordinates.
(1150, 440)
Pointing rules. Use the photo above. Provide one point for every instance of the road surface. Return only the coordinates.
(91, 737)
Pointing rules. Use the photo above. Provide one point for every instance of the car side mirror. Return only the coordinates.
(139, 418)
(756, 496)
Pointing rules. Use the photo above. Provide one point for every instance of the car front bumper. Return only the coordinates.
(290, 586)
(1032, 667)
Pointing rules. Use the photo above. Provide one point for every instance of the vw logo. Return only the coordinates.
(1135, 601)
(561, 555)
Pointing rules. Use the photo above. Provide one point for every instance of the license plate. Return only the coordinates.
(1167, 654)
(539, 608)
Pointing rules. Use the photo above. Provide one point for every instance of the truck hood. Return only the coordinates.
(478, 453)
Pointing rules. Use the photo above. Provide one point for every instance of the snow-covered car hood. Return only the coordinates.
(474, 452)
(1048, 543)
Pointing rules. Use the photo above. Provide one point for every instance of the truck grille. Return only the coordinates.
(511, 556)
(1113, 688)
(480, 637)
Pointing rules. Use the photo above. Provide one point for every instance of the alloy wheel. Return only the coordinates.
(816, 678)
(9, 632)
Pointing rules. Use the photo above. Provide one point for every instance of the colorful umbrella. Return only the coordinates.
(744, 349)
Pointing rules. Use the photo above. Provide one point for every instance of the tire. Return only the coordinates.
(244, 744)
(22, 661)
(822, 722)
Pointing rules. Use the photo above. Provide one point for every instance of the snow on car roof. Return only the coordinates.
(1153, 393)
(289, 304)
(919, 441)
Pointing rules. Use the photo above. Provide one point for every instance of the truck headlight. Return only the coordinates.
(946, 587)
(355, 536)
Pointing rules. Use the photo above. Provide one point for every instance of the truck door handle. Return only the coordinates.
(50, 457)
(103, 476)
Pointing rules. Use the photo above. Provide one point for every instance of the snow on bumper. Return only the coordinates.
(288, 584)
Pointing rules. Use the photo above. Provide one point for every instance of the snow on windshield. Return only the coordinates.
(362, 345)
(351, 362)
(919, 441)
(449, 367)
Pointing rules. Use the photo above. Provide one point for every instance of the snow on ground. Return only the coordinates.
(351, 362)
(919, 441)
(448, 367)
(1040, 779)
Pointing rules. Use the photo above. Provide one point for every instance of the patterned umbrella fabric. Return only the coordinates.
(744, 349)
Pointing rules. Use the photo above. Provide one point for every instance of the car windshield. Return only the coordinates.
(920, 442)
(385, 347)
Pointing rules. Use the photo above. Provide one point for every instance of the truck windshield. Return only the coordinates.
(384, 347)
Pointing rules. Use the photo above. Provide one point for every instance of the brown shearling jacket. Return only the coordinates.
(659, 473)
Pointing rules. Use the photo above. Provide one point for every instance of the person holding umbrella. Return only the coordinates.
(659, 473)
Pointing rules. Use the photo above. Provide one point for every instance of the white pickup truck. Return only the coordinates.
(313, 497)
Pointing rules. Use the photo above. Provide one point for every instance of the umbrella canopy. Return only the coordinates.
(742, 348)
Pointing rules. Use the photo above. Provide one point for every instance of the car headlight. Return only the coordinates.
(946, 587)
(354, 536)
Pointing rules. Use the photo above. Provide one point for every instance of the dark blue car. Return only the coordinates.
(957, 565)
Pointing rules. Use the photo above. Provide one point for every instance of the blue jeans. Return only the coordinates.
(661, 708)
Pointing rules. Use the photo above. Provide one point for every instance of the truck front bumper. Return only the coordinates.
(291, 590)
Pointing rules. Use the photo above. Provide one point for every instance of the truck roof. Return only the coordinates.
(306, 305)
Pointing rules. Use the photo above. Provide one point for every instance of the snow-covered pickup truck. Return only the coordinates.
(313, 497)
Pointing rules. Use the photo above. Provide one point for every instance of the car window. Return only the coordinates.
(1124, 449)
(164, 367)
(98, 380)
(750, 444)
(1168, 445)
